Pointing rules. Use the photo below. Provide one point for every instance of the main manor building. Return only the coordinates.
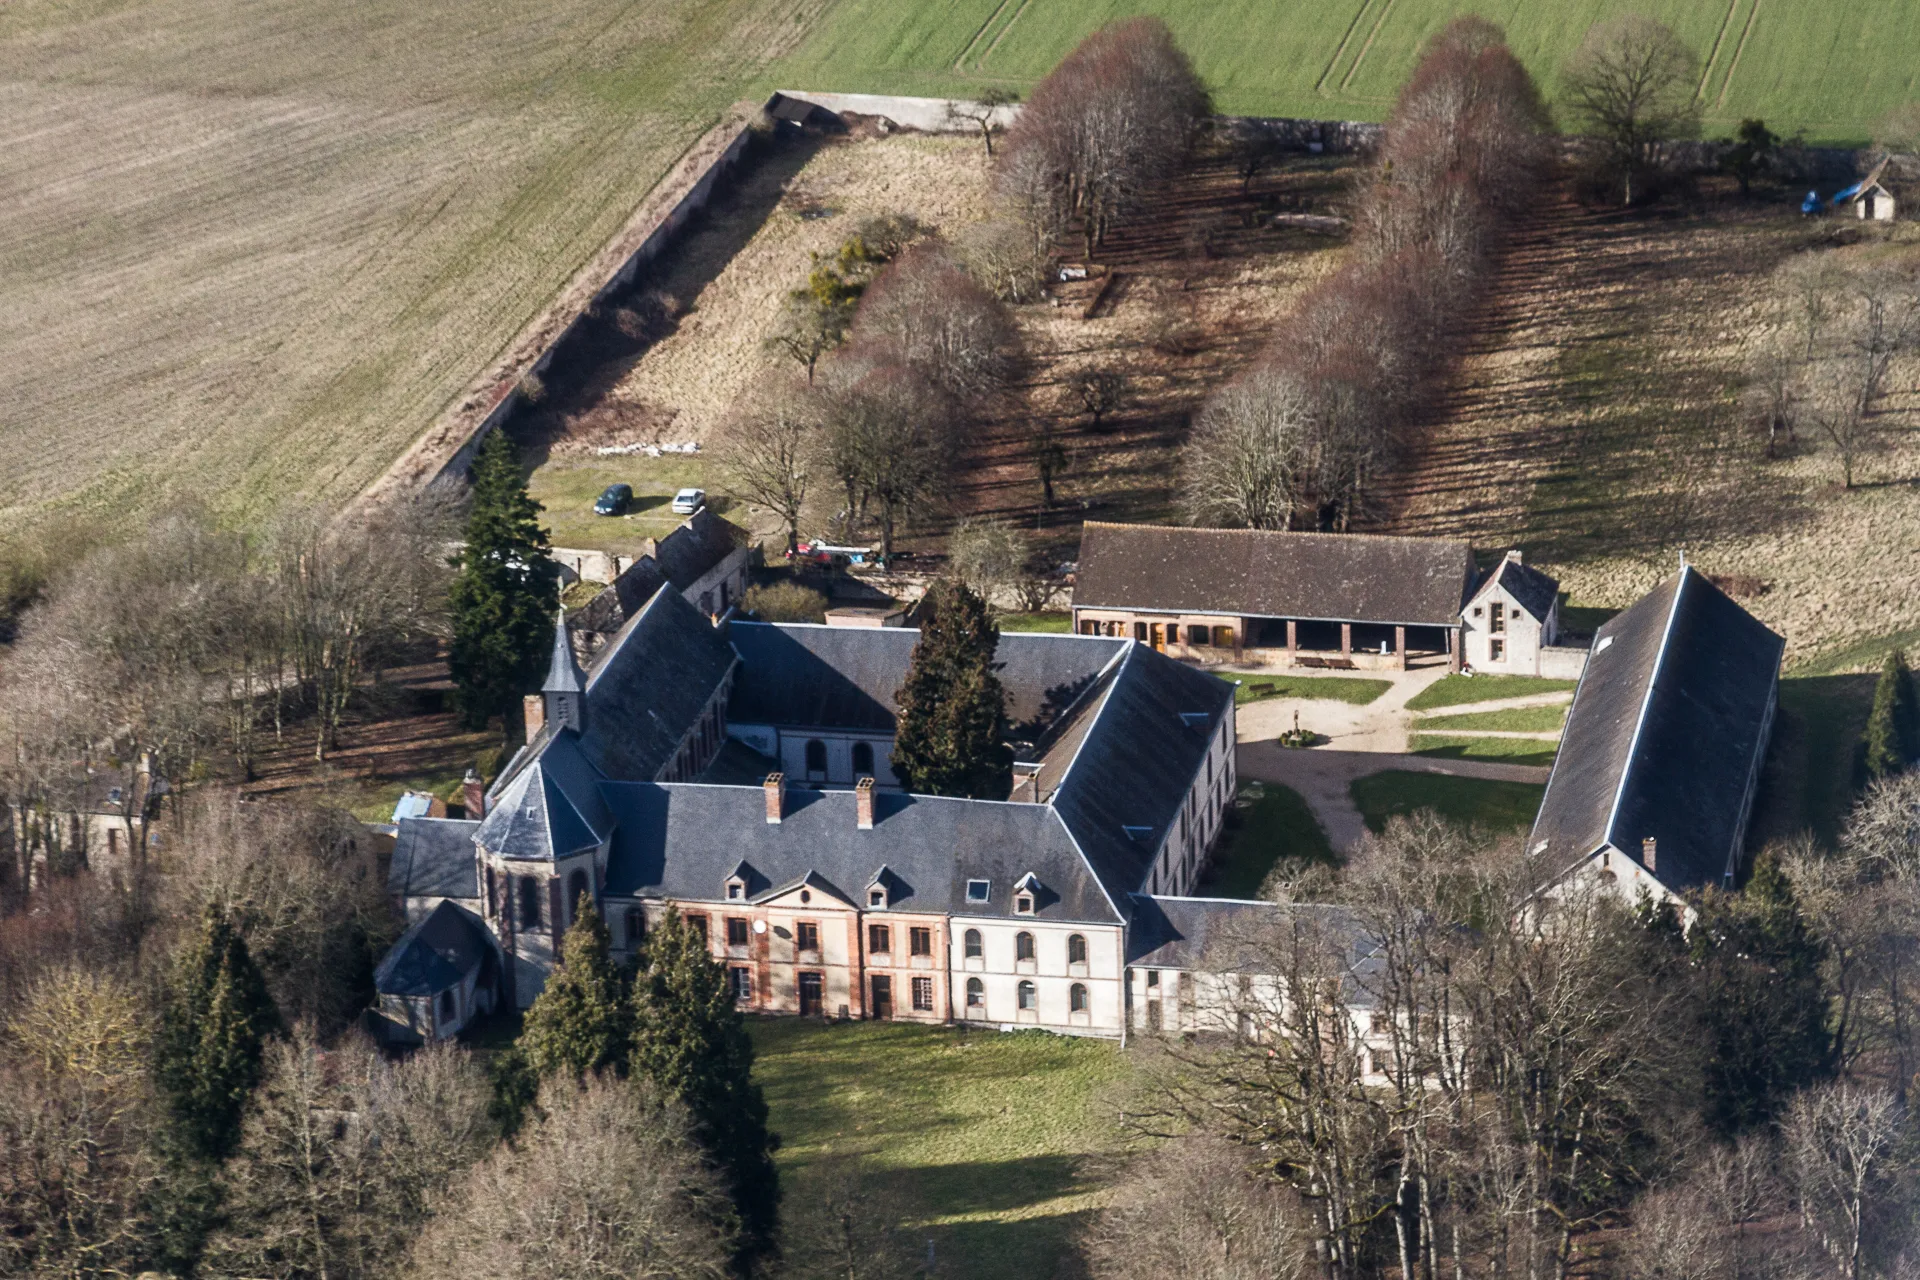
(740, 773)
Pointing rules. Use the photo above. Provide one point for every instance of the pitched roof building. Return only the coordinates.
(1663, 746)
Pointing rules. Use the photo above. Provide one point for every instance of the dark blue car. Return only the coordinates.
(615, 501)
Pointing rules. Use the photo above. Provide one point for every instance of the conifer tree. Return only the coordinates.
(1893, 725)
(213, 1028)
(583, 1021)
(953, 720)
(690, 1040)
(1763, 1003)
(504, 593)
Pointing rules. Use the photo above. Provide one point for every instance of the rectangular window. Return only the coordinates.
(1497, 619)
(807, 935)
(979, 890)
(1496, 649)
(736, 931)
(879, 939)
(741, 980)
(920, 941)
(923, 994)
(699, 924)
(1153, 977)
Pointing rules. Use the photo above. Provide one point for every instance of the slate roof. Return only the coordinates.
(1230, 935)
(437, 953)
(563, 671)
(539, 815)
(649, 686)
(1665, 737)
(433, 858)
(806, 675)
(682, 840)
(1533, 590)
(1333, 577)
(682, 558)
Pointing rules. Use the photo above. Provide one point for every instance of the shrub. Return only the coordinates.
(784, 602)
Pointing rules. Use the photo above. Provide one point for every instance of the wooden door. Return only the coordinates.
(812, 994)
(882, 996)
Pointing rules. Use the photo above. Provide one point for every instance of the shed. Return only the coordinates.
(1868, 198)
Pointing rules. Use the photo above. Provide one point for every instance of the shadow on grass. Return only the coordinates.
(1490, 750)
(1497, 806)
(1268, 822)
(1814, 761)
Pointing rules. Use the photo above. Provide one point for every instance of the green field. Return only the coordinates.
(1457, 690)
(1507, 720)
(567, 490)
(1831, 69)
(1268, 822)
(1533, 751)
(1049, 622)
(991, 1144)
(1498, 806)
(1255, 688)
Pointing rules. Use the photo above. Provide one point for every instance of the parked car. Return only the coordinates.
(688, 501)
(615, 501)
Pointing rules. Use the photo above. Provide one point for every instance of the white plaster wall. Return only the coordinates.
(1049, 971)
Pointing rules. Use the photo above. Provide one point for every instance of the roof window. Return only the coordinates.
(979, 890)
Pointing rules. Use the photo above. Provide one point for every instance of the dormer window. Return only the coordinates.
(876, 897)
(1026, 894)
(979, 891)
(736, 889)
(1023, 903)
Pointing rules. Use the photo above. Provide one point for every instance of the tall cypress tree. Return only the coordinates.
(505, 593)
(1762, 1002)
(583, 1020)
(212, 1031)
(1890, 728)
(953, 720)
(689, 1038)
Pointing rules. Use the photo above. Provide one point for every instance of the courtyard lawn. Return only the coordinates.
(1509, 720)
(990, 1141)
(567, 489)
(1534, 751)
(1052, 623)
(1497, 806)
(1815, 759)
(1258, 688)
(1268, 822)
(1455, 690)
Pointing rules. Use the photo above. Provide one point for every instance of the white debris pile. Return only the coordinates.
(651, 450)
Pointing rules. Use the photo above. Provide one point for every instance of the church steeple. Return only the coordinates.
(565, 684)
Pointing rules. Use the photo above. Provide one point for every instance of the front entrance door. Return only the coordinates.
(1159, 634)
(813, 990)
(882, 996)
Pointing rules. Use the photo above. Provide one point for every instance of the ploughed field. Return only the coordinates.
(1830, 69)
(253, 247)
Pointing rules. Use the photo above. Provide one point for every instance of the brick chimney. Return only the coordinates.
(534, 710)
(474, 792)
(863, 804)
(1514, 555)
(776, 790)
(1647, 854)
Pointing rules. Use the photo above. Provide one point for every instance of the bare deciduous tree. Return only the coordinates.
(887, 437)
(1246, 464)
(1631, 84)
(988, 555)
(983, 113)
(767, 452)
(1841, 1144)
(1192, 1210)
(927, 314)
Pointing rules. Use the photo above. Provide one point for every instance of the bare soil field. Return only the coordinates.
(1594, 421)
(253, 247)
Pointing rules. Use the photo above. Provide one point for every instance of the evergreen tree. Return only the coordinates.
(582, 1022)
(1762, 1003)
(953, 721)
(505, 592)
(212, 1031)
(689, 1039)
(1890, 724)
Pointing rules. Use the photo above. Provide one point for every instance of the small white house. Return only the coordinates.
(1869, 200)
(1511, 624)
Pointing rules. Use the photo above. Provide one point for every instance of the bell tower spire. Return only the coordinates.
(565, 684)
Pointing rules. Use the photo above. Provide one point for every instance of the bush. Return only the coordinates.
(784, 602)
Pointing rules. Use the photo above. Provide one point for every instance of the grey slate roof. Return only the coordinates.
(682, 558)
(1665, 736)
(649, 686)
(1336, 577)
(435, 954)
(433, 858)
(563, 672)
(1533, 590)
(1230, 935)
(682, 840)
(805, 675)
(538, 815)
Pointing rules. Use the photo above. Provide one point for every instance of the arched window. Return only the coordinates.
(1023, 946)
(446, 1005)
(576, 890)
(976, 994)
(1076, 949)
(1029, 997)
(816, 757)
(972, 942)
(863, 759)
(1077, 998)
(529, 902)
(636, 926)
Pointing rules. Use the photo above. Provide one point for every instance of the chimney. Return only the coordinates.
(1647, 855)
(534, 707)
(1515, 556)
(776, 789)
(474, 792)
(863, 804)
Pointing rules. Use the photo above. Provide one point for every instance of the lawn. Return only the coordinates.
(1456, 690)
(991, 1140)
(1497, 806)
(567, 487)
(1536, 751)
(1814, 758)
(1258, 688)
(1508, 720)
(1346, 59)
(1049, 622)
(1268, 822)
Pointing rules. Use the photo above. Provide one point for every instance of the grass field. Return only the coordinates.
(1497, 806)
(993, 1143)
(1534, 751)
(1051, 623)
(567, 489)
(1254, 688)
(1456, 690)
(1268, 822)
(254, 246)
(1803, 64)
(1508, 720)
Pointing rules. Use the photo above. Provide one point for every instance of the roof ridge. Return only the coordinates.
(1283, 533)
(1646, 702)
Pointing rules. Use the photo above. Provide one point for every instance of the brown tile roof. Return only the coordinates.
(1333, 577)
